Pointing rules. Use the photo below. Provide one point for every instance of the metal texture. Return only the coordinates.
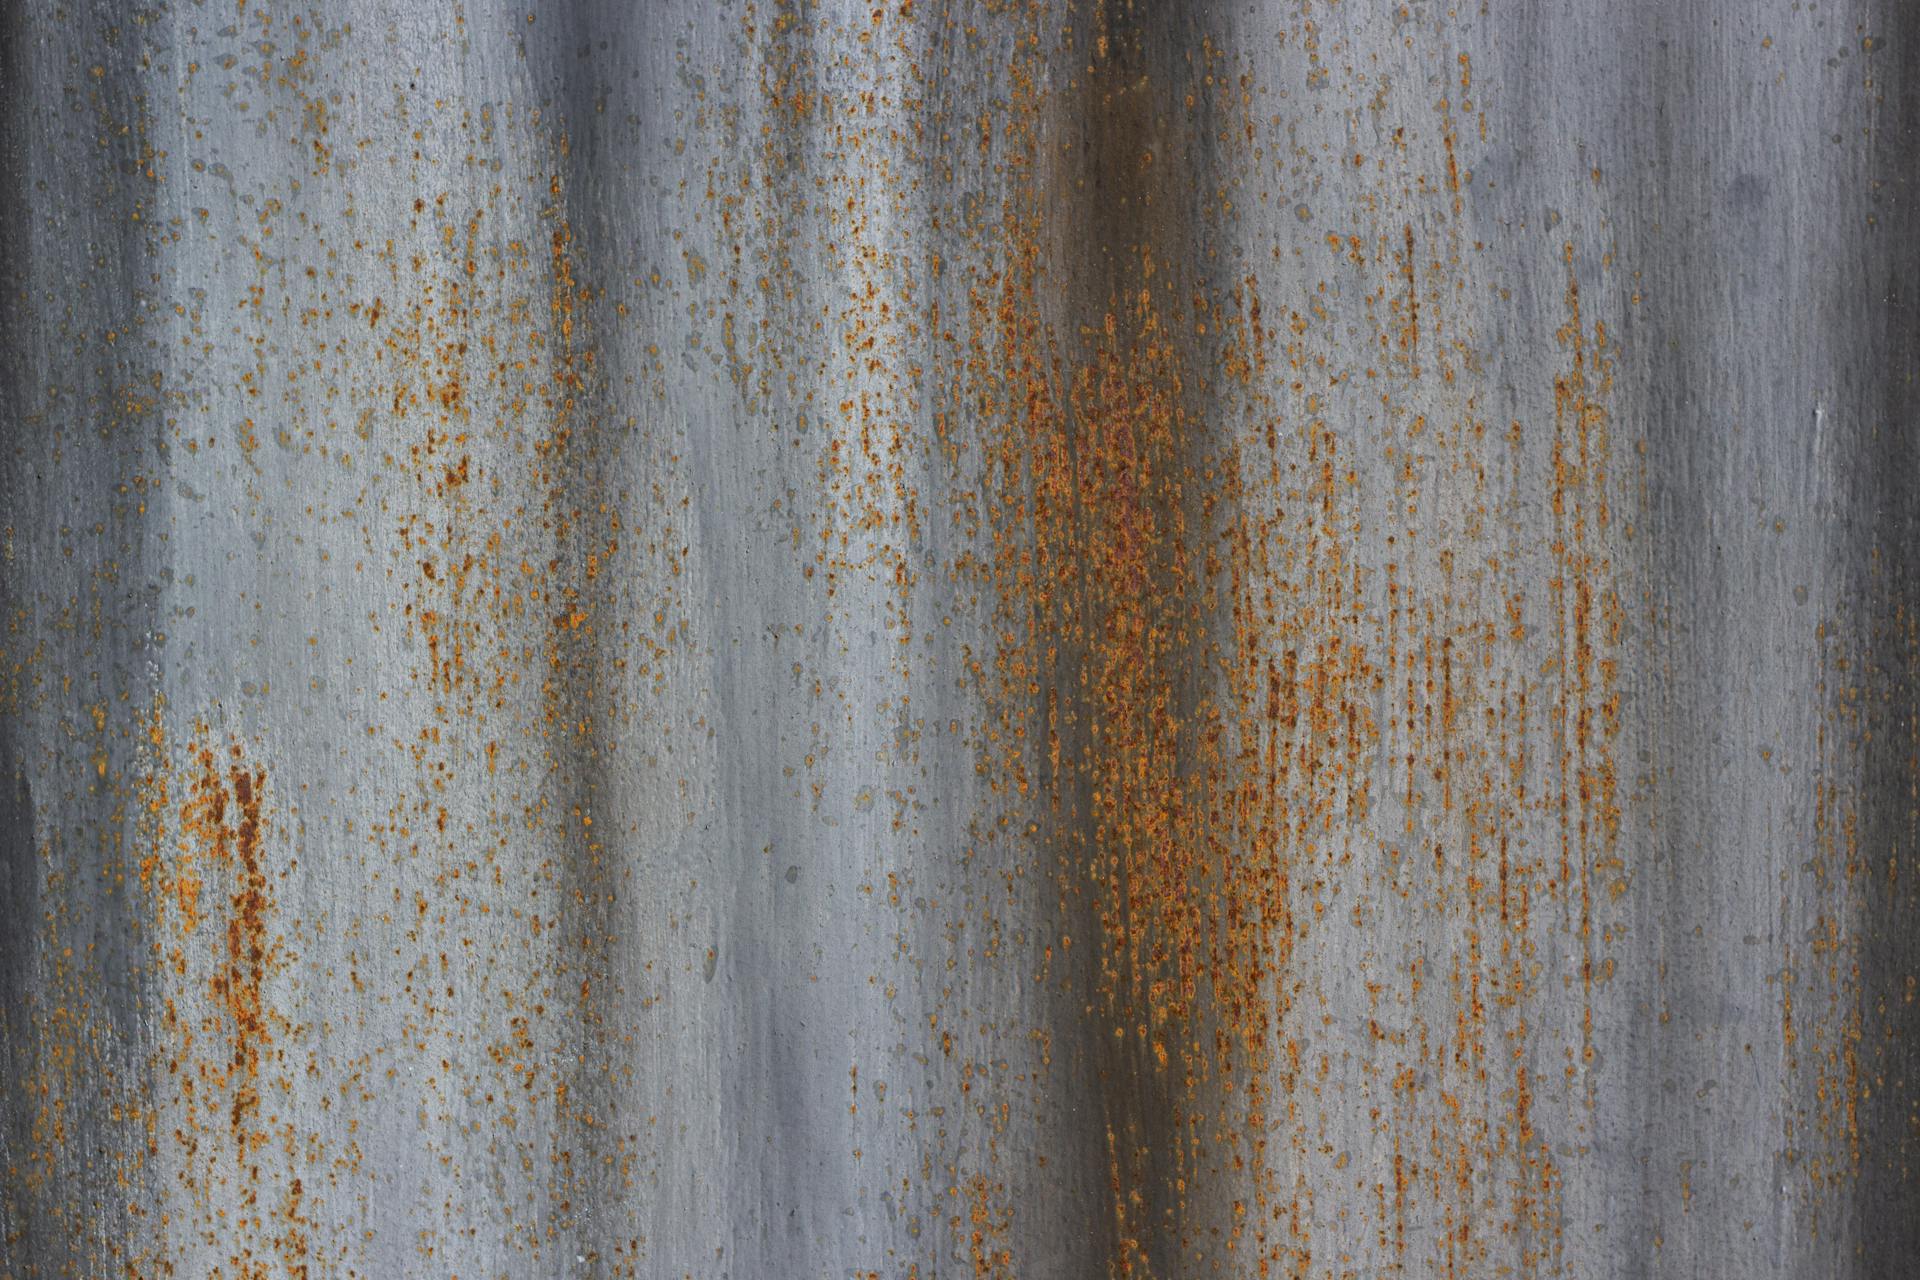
(925, 638)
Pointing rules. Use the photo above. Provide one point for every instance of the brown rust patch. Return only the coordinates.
(221, 819)
(216, 932)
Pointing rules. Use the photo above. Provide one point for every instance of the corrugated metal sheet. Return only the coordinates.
(937, 638)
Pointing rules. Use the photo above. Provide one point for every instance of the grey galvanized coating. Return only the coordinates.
(933, 639)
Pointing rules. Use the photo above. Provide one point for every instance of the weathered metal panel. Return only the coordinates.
(943, 638)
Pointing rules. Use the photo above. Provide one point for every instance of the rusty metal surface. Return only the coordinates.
(937, 638)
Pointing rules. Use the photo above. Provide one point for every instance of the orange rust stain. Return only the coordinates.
(1835, 1033)
(222, 1022)
(1588, 711)
(1410, 339)
(1219, 643)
